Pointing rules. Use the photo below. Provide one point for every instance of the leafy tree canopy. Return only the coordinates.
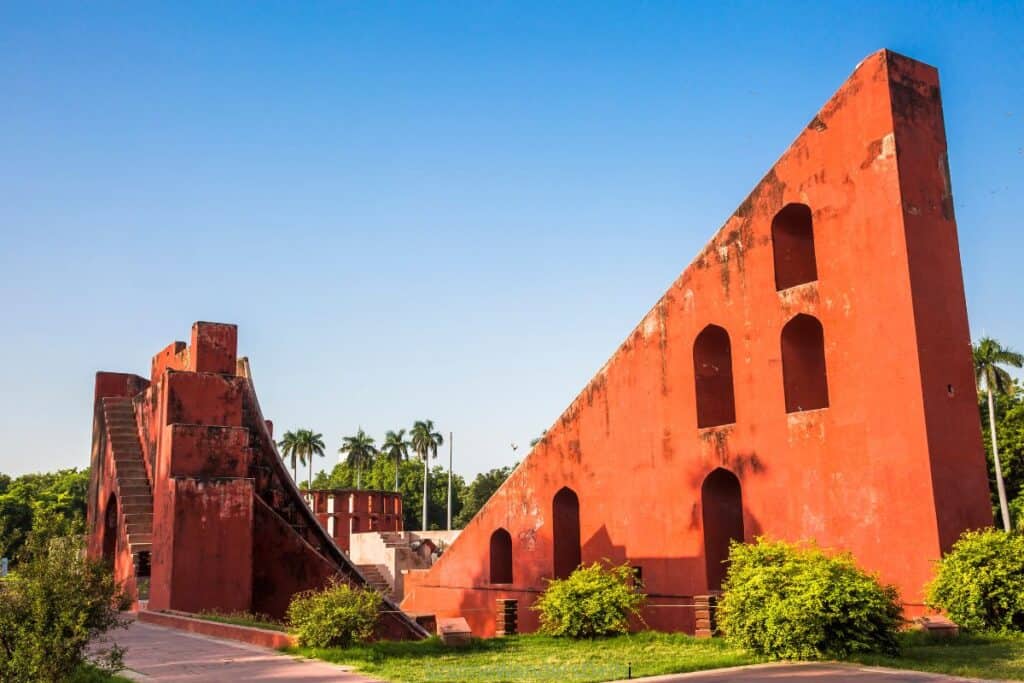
(57, 496)
(1010, 437)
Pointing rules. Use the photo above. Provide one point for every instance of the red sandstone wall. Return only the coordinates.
(283, 564)
(212, 546)
(864, 474)
(356, 511)
(229, 531)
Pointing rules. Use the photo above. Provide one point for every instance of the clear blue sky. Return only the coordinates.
(452, 211)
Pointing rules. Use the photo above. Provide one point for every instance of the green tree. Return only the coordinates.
(302, 445)
(396, 448)
(425, 442)
(289, 445)
(359, 451)
(55, 608)
(1009, 409)
(479, 491)
(989, 357)
(60, 496)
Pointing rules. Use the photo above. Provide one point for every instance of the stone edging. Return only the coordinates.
(245, 634)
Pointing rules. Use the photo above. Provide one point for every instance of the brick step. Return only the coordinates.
(137, 509)
(121, 412)
(131, 489)
(130, 465)
(139, 517)
(139, 528)
(135, 539)
(139, 547)
(127, 502)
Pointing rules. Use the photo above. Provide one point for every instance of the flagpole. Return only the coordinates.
(451, 447)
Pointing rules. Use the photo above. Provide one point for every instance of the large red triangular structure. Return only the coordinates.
(808, 376)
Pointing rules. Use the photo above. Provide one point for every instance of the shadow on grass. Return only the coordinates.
(385, 650)
(979, 655)
(535, 658)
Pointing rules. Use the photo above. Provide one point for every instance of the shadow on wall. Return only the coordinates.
(670, 581)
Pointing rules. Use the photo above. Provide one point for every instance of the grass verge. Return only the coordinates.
(536, 658)
(998, 657)
(243, 619)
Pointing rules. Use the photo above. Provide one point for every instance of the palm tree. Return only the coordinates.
(312, 444)
(397, 448)
(289, 445)
(988, 356)
(425, 442)
(360, 451)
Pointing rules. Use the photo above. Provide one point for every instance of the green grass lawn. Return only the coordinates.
(536, 658)
(542, 659)
(977, 656)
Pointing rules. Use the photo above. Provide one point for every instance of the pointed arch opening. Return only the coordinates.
(501, 556)
(793, 246)
(722, 516)
(712, 371)
(804, 378)
(565, 516)
(110, 530)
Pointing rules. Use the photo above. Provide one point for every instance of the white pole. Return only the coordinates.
(451, 447)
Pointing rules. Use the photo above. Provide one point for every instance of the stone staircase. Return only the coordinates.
(375, 579)
(133, 490)
(394, 539)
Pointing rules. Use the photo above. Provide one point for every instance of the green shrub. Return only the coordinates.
(53, 609)
(592, 601)
(796, 602)
(338, 615)
(980, 583)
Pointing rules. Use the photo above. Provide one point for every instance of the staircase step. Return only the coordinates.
(134, 539)
(135, 530)
(139, 547)
(139, 517)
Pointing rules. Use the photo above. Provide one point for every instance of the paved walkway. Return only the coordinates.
(155, 653)
(805, 673)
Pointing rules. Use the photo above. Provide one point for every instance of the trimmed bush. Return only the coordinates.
(980, 583)
(53, 609)
(592, 601)
(335, 616)
(788, 601)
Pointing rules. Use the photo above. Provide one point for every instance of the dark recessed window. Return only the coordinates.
(803, 364)
(793, 246)
(712, 370)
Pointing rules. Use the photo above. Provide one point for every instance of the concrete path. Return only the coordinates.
(155, 653)
(806, 673)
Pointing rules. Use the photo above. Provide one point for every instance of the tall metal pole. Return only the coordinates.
(451, 447)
